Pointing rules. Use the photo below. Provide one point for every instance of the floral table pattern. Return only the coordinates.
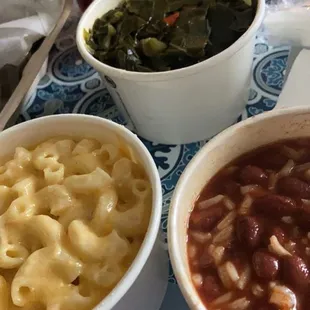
(72, 86)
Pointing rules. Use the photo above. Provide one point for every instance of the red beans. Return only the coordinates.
(253, 175)
(294, 187)
(305, 214)
(275, 205)
(212, 287)
(232, 189)
(260, 203)
(265, 264)
(295, 272)
(276, 161)
(206, 220)
(249, 231)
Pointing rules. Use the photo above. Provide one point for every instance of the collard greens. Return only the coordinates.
(163, 35)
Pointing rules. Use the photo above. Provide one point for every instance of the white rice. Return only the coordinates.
(218, 254)
(197, 279)
(257, 290)
(287, 219)
(227, 220)
(229, 204)
(302, 167)
(249, 189)
(239, 304)
(223, 275)
(211, 249)
(286, 169)
(276, 247)
(222, 299)
(200, 237)
(224, 235)
(272, 284)
(205, 204)
(290, 246)
(232, 272)
(244, 278)
(246, 205)
(272, 181)
(306, 201)
(192, 251)
(293, 154)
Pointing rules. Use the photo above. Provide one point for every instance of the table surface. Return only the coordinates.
(72, 86)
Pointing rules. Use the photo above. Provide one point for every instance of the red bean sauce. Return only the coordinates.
(249, 232)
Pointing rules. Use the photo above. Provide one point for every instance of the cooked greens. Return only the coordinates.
(163, 35)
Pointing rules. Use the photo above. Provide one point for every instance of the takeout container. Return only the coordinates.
(144, 284)
(184, 105)
(243, 137)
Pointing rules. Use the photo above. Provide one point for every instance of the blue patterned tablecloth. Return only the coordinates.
(72, 86)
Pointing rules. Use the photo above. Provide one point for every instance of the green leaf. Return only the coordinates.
(152, 47)
(100, 55)
(140, 8)
(131, 24)
(154, 28)
(243, 20)
(116, 17)
(86, 35)
(176, 5)
(134, 36)
(141, 68)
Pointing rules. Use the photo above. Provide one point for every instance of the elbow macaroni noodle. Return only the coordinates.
(73, 215)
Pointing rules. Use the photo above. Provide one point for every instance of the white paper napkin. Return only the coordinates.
(22, 22)
(297, 86)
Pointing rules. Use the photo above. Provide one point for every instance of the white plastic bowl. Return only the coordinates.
(230, 144)
(184, 105)
(144, 285)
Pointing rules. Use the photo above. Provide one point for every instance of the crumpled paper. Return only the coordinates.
(287, 22)
(23, 22)
(296, 89)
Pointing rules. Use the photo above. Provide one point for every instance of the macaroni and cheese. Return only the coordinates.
(73, 215)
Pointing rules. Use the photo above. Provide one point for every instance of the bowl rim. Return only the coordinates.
(187, 288)
(165, 75)
(154, 223)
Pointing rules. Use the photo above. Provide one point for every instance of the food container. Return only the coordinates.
(241, 138)
(183, 105)
(144, 284)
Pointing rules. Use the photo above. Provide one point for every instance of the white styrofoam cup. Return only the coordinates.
(144, 284)
(183, 105)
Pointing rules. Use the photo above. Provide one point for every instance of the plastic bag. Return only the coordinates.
(287, 22)
(23, 22)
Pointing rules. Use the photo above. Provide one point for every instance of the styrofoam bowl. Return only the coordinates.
(144, 285)
(241, 138)
(184, 105)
